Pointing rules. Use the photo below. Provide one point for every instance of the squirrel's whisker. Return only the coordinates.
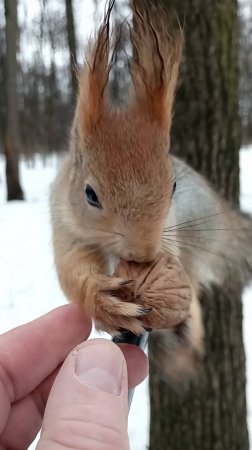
(196, 220)
(199, 238)
(184, 243)
(194, 230)
(196, 255)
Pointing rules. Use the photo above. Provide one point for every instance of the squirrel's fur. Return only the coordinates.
(124, 156)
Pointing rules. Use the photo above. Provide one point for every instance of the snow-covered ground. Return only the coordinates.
(246, 205)
(29, 287)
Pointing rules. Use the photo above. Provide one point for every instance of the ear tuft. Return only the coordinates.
(157, 49)
(95, 75)
(154, 67)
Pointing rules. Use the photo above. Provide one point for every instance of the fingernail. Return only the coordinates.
(101, 366)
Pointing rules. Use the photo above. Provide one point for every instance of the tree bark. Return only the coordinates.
(11, 140)
(211, 414)
(71, 39)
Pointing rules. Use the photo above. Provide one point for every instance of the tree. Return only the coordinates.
(43, 84)
(246, 72)
(11, 138)
(11, 132)
(2, 79)
(71, 38)
(211, 414)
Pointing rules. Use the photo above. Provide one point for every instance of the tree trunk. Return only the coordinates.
(2, 84)
(11, 140)
(71, 39)
(211, 414)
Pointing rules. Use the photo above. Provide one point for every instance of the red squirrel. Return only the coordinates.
(118, 194)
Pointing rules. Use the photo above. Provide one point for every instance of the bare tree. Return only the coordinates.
(11, 138)
(2, 78)
(246, 72)
(71, 38)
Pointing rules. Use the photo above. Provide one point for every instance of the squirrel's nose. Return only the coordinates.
(142, 256)
(139, 259)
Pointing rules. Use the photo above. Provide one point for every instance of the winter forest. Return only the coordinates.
(42, 49)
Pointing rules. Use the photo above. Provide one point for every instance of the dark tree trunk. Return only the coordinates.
(2, 84)
(71, 38)
(11, 140)
(211, 414)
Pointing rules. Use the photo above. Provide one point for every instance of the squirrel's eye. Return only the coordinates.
(92, 197)
(174, 187)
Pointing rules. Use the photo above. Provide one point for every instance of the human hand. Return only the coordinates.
(88, 404)
(30, 358)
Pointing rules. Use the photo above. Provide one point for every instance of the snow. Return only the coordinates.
(246, 205)
(29, 286)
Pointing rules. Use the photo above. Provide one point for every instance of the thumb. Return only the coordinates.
(88, 406)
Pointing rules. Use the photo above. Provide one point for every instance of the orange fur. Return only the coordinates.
(94, 78)
(154, 68)
(157, 50)
(123, 155)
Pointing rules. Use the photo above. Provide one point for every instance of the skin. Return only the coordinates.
(31, 357)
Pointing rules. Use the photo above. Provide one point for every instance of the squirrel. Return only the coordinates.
(120, 194)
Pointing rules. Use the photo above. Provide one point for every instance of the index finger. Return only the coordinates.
(29, 353)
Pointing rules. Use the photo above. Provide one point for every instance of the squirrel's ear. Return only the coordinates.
(157, 49)
(94, 77)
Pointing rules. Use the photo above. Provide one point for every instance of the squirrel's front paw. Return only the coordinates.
(163, 286)
(111, 312)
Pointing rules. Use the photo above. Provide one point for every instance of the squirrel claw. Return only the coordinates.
(126, 282)
(145, 310)
(113, 284)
